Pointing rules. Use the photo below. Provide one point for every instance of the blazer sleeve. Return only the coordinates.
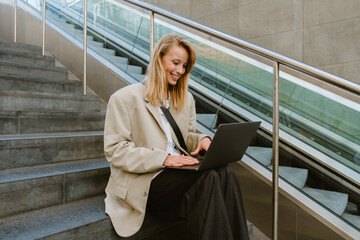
(193, 137)
(119, 148)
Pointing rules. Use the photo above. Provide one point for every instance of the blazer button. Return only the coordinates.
(145, 194)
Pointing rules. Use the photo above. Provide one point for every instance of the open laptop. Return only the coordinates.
(228, 145)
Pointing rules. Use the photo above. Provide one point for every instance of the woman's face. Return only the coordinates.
(174, 63)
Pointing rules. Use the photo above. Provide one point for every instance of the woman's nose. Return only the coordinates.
(181, 70)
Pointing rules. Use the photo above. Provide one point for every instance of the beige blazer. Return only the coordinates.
(135, 145)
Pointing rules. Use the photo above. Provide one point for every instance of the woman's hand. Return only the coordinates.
(178, 161)
(203, 145)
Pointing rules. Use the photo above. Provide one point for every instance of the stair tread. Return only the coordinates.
(49, 68)
(52, 220)
(261, 154)
(49, 135)
(10, 44)
(19, 93)
(296, 176)
(32, 114)
(207, 119)
(25, 77)
(40, 171)
(19, 53)
(354, 219)
(335, 201)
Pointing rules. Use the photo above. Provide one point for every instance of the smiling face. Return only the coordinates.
(174, 63)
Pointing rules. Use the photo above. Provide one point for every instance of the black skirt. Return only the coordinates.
(210, 202)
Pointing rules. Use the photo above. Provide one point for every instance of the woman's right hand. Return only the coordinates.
(178, 161)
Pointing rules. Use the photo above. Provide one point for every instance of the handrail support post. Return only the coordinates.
(85, 45)
(15, 23)
(43, 25)
(275, 175)
(151, 32)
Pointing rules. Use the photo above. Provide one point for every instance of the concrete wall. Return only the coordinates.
(321, 33)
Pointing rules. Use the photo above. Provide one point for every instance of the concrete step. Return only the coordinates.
(139, 77)
(131, 69)
(261, 154)
(296, 176)
(23, 122)
(335, 201)
(17, 76)
(104, 51)
(60, 222)
(53, 73)
(84, 219)
(36, 149)
(31, 59)
(40, 86)
(29, 188)
(10, 45)
(93, 44)
(207, 119)
(19, 101)
(117, 59)
(353, 219)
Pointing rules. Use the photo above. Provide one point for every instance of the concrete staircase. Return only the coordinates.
(52, 167)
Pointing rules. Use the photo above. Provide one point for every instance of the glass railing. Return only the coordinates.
(321, 121)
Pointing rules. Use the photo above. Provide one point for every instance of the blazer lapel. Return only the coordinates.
(154, 112)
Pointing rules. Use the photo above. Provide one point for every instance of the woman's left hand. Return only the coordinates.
(203, 145)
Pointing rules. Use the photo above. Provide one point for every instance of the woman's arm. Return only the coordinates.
(119, 148)
(195, 141)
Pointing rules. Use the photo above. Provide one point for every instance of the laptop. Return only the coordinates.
(228, 145)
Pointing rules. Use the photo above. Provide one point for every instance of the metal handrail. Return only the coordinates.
(273, 56)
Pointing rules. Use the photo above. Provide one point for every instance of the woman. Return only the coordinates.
(139, 142)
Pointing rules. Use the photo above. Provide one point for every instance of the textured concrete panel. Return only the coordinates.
(184, 9)
(27, 189)
(268, 17)
(6, 13)
(311, 229)
(225, 21)
(86, 184)
(332, 43)
(200, 9)
(286, 43)
(325, 11)
(349, 70)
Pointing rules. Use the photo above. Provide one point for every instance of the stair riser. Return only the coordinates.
(28, 103)
(130, 68)
(34, 72)
(40, 87)
(14, 125)
(20, 47)
(26, 60)
(31, 152)
(27, 195)
(102, 229)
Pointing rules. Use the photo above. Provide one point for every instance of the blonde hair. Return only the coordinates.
(156, 84)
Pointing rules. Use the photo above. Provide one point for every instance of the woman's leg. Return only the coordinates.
(233, 202)
(167, 191)
(210, 201)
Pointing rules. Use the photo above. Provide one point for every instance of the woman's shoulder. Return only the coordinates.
(129, 92)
